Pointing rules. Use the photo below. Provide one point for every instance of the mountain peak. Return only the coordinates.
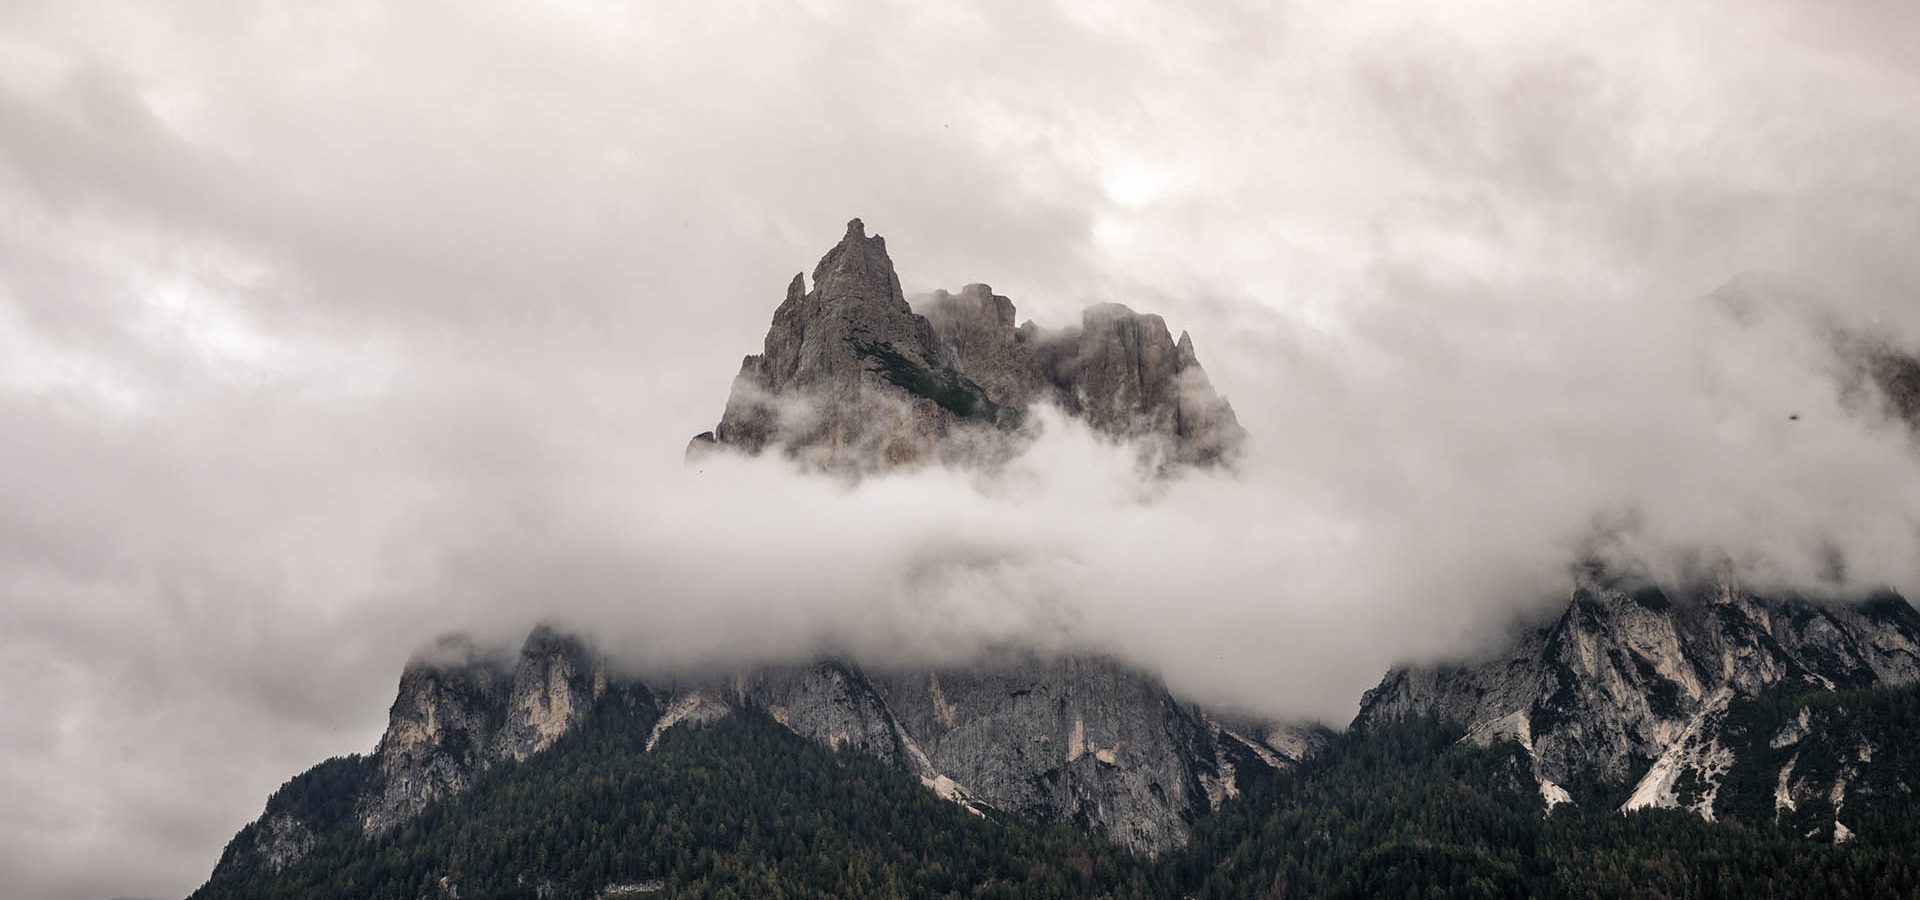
(1632, 672)
(858, 268)
(864, 382)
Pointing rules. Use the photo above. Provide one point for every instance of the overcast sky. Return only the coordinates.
(325, 328)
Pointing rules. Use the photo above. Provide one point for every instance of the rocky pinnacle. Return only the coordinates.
(852, 378)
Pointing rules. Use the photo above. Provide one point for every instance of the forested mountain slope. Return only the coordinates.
(742, 807)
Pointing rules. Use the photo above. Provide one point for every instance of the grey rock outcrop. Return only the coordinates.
(829, 703)
(284, 840)
(270, 843)
(1125, 374)
(439, 731)
(299, 815)
(1631, 680)
(852, 379)
(459, 711)
(1074, 739)
(555, 685)
(1082, 740)
(975, 329)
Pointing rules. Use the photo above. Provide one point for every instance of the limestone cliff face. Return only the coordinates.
(1631, 681)
(852, 378)
(1082, 740)
(297, 816)
(555, 687)
(1076, 739)
(439, 731)
(831, 703)
(1071, 739)
(458, 712)
(284, 840)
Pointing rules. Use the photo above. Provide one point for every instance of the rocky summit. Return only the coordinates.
(1075, 740)
(1634, 681)
(852, 378)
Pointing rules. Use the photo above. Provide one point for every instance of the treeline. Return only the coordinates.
(744, 808)
(738, 808)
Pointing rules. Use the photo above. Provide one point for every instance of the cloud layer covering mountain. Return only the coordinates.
(323, 331)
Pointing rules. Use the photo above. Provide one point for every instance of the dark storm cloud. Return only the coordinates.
(324, 329)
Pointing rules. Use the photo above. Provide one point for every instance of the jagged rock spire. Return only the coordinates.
(851, 378)
(858, 269)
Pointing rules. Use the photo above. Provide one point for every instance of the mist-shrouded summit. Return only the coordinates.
(852, 378)
(1632, 683)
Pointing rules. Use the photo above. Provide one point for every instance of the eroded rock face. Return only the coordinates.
(1076, 739)
(852, 379)
(273, 842)
(298, 816)
(450, 705)
(849, 378)
(284, 840)
(975, 329)
(1082, 740)
(459, 711)
(555, 687)
(830, 703)
(1630, 681)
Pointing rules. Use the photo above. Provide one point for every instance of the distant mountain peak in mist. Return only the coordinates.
(852, 378)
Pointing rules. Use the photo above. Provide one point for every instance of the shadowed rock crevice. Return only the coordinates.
(951, 391)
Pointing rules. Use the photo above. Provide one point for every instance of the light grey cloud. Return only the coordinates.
(324, 329)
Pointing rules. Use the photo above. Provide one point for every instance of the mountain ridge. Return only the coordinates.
(1069, 739)
(1692, 697)
(1632, 681)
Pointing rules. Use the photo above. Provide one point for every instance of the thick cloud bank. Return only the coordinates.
(324, 329)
